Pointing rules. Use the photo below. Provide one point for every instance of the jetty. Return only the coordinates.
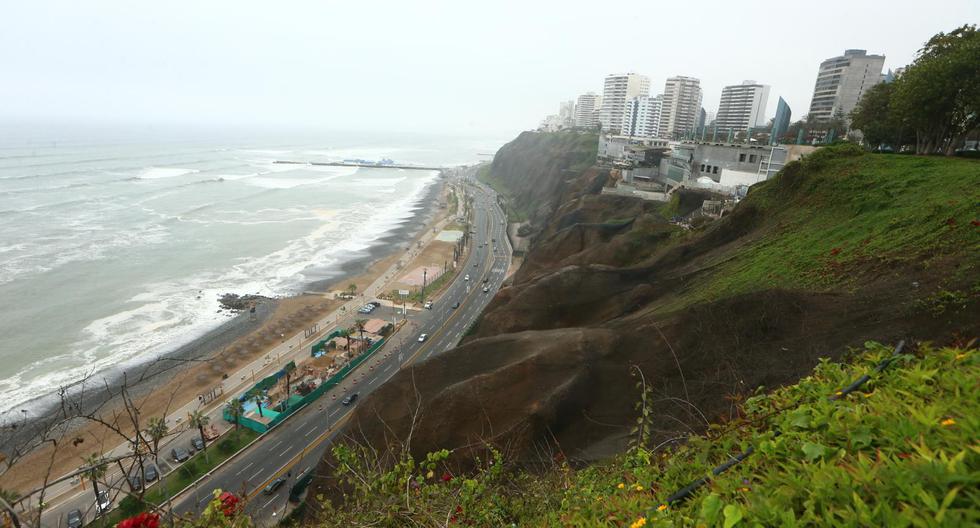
(360, 164)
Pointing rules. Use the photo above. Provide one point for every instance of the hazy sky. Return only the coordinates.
(460, 65)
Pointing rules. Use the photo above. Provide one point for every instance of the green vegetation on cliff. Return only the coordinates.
(901, 451)
(528, 171)
(841, 214)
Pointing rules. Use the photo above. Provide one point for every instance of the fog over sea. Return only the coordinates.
(115, 242)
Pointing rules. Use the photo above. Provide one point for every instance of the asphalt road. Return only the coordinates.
(299, 442)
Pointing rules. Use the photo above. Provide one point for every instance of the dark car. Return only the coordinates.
(151, 473)
(75, 519)
(273, 486)
(376, 304)
(179, 454)
(135, 483)
(455, 305)
(351, 398)
(197, 444)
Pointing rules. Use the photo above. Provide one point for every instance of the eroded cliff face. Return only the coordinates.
(611, 289)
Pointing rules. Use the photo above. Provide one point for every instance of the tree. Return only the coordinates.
(352, 288)
(236, 409)
(200, 420)
(289, 369)
(96, 470)
(157, 429)
(938, 95)
(359, 324)
(876, 119)
(345, 333)
(257, 396)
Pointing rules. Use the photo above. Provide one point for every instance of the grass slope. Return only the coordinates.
(841, 213)
(901, 451)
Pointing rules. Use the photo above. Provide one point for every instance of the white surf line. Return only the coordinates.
(243, 469)
(255, 475)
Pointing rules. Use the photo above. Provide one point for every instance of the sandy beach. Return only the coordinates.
(196, 368)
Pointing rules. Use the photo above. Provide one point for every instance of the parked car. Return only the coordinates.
(103, 504)
(151, 473)
(75, 519)
(197, 444)
(428, 305)
(455, 305)
(423, 337)
(274, 485)
(466, 277)
(179, 454)
(376, 304)
(136, 482)
(349, 399)
(486, 289)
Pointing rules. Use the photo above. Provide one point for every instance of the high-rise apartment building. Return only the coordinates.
(566, 113)
(742, 106)
(842, 81)
(585, 109)
(641, 116)
(618, 89)
(681, 106)
(780, 124)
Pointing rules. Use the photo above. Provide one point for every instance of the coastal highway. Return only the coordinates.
(298, 443)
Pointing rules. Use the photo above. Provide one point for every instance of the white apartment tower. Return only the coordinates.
(681, 106)
(618, 89)
(842, 81)
(566, 113)
(641, 116)
(585, 110)
(742, 106)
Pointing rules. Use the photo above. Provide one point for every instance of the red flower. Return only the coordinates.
(229, 503)
(834, 252)
(143, 520)
(975, 223)
(446, 477)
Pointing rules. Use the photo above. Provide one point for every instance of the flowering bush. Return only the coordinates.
(143, 520)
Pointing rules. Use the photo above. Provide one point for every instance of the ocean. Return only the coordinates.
(115, 243)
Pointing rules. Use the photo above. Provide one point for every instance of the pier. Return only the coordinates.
(354, 164)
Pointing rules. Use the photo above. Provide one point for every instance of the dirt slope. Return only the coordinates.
(794, 274)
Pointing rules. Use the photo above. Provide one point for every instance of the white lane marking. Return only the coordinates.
(255, 475)
(277, 444)
(286, 451)
(268, 503)
(243, 469)
(333, 412)
(308, 433)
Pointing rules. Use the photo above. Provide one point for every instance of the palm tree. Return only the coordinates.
(236, 409)
(9, 496)
(345, 333)
(257, 396)
(288, 369)
(96, 470)
(359, 324)
(157, 429)
(352, 288)
(200, 420)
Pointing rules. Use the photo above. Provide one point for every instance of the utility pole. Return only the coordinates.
(424, 272)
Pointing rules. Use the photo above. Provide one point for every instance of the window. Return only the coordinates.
(752, 158)
(716, 170)
(741, 157)
(702, 167)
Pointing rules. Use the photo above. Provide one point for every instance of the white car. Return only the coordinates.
(428, 305)
(486, 289)
(466, 278)
(423, 337)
